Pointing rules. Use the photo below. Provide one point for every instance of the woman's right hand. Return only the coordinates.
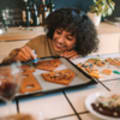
(24, 54)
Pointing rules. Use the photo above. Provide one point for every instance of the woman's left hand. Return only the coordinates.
(70, 54)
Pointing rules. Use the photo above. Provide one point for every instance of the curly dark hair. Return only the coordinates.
(78, 24)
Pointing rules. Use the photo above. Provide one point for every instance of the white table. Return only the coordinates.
(64, 105)
(67, 104)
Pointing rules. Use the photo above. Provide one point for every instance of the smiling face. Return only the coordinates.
(63, 40)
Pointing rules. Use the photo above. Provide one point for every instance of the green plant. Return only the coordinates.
(103, 7)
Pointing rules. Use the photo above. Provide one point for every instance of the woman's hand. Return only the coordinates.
(70, 54)
(24, 54)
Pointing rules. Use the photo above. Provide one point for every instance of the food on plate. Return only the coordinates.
(48, 65)
(100, 63)
(87, 67)
(92, 60)
(113, 61)
(107, 71)
(96, 61)
(61, 77)
(90, 69)
(108, 105)
(94, 74)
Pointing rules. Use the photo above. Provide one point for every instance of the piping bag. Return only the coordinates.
(35, 55)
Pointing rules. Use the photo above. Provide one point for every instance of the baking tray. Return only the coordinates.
(80, 80)
(102, 57)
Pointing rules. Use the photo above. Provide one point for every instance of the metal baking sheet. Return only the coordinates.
(81, 79)
(107, 65)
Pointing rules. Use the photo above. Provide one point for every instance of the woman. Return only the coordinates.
(69, 32)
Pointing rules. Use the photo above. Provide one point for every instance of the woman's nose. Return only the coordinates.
(61, 39)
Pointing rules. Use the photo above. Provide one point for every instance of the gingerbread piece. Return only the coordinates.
(113, 61)
(88, 67)
(100, 63)
(48, 65)
(27, 69)
(108, 105)
(107, 71)
(96, 61)
(94, 74)
(29, 84)
(61, 77)
(80, 65)
(91, 60)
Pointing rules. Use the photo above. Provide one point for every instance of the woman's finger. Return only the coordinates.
(20, 56)
(26, 53)
(30, 52)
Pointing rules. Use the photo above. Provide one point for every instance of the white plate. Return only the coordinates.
(90, 99)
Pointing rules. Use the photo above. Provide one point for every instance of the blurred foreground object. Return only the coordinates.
(18, 117)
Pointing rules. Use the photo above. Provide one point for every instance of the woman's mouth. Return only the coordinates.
(60, 46)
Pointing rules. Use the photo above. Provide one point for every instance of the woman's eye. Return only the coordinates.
(69, 38)
(59, 32)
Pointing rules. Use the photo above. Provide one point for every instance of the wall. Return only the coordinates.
(11, 4)
(13, 9)
(84, 4)
(116, 12)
